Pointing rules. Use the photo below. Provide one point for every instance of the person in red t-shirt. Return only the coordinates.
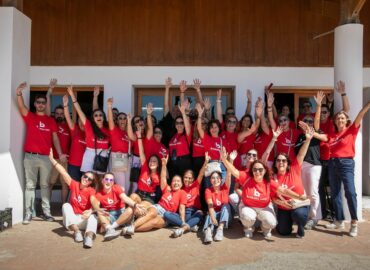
(97, 135)
(341, 166)
(217, 198)
(288, 175)
(120, 143)
(193, 212)
(109, 202)
(40, 137)
(78, 215)
(172, 200)
(198, 147)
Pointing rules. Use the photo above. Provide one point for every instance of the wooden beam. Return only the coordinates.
(357, 7)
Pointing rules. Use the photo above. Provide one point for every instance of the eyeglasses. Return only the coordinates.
(158, 132)
(258, 170)
(98, 115)
(179, 123)
(282, 120)
(138, 120)
(87, 177)
(231, 122)
(252, 155)
(40, 102)
(308, 121)
(108, 180)
(324, 112)
(230, 113)
(282, 160)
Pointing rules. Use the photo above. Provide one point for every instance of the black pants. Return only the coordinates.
(325, 199)
(179, 166)
(197, 165)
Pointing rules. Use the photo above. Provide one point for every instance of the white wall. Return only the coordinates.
(15, 36)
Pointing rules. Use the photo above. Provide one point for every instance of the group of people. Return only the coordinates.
(193, 170)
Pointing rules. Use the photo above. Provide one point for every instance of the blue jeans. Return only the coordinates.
(114, 214)
(173, 219)
(285, 219)
(341, 170)
(193, 216)
(224, 215)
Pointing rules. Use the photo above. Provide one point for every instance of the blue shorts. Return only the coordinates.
(114, 214)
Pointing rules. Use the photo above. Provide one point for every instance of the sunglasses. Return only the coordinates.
(252, 155)
(282, 160)
(324, 112)
(282, 120)
(230, 113)
(179, 123)
(138, 120)
(258, 170)
(231, 122)
(98, 115)
(122, 118)
(158, 132)
(40, 102)
(308, 121)
(108, 180)
(87, 177)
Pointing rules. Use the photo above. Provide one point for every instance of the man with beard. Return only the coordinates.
(40, 136)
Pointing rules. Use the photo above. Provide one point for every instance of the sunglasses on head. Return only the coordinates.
(108, 180)
(284, 160)
(40, 102)
(138, 120)
(87, 177)
(282, 120)
(258, 170)
(308, 121)
(252, 155)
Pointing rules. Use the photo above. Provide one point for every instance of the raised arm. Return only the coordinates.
(110, 113)
(164, 172)
(185, 105)
(141, 146)
(149, 120)
(245, 133)
(207, 108)
(95, 104)
(229, 166)
(196, 86)
(341, 89)
(200, 111)
(219, 106)
(65, 176)
(52, 84)
(21, 107)
(275, 134)
(260, 115)
(67, 116)
(303, 150)
(203, 169)
(168, 84)
(130, 131)
(361, 114)
(319, 136)
(232, 157)
(76, 105)
(183, 88)
(318, 99)
(248, 109)
(270, 103)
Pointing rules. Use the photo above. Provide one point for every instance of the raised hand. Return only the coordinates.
(110, 102)
(199, 108)
(207, 104)
(65, 100)
(168, 82)
(149, 108)
(207, 157)
(219, 94)
(20, 88)
(129, 118)
(53, 83)
(70, 90)
(340, 87)
(196, 84)
(270, 99)
(224, 154)
(184, 106)
(249, 94)
(276, 133)
(309, 133)
(183, 86)
(259, 107)
(233, 155)
(319, 97)
(164, 160)
(304, 126)
(96, 91)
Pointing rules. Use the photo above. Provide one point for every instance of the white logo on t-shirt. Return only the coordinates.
(284, 186)
(110, 201)
(218, 203)
(218, 146)
(188, 196)
(41, 125)
(79, 198)
(256, 193)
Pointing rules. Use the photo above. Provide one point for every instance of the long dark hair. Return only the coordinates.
(100, 185)
(97, 131)
(274, 169)
(159, 168)
(214, 121)
(246, 116)
(266, 176)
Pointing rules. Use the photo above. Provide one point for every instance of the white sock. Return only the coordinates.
(114, 225)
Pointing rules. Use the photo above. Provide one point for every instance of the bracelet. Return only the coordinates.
(269, 107)
(19, 95)
(74, 101)
(344, 94)
(55, 164)
(269, 110)
(218, 100)
(65, 106)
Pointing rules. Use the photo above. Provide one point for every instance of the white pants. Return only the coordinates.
(121, 178)
(70, 218)
(249, 215)
(88, 159)
(311, 179)
(234, 201)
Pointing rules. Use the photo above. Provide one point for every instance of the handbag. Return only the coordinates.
(120, 162)
(100, 162)
(214, 166)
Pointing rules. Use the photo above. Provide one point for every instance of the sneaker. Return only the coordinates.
(194, 228)
(128, 230)
(219, 235)
(267, 233)
(177, 233)
(335, 225)
(248, 232)
(208, 235)
(78, 237)
(310, 225)
(299, 236)
(48, 217)
(88, 243)
(111, 234)
(27, 219)
(354, 230)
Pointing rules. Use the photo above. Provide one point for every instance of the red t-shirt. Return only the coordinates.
(119, 140)
(64, 137)
(147, 182)
(291, 180)
(198, 147)
(90, 137)
(80, 198)
(261, 142)
(193, 195)
(286, 141)
(342, 144)
(219, 198)
(78, 146)
(111, 200)
(213, 146)
(326, 128)
(135, 146)
(171, 200)
(39, 135)
(152, 147)
(256, 194)
(180, 142)
(247, 144)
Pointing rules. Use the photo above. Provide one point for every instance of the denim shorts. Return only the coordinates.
(160, 209)
(114, 214)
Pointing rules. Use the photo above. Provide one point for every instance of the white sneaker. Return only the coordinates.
(78, 237)
(335, 225)
(354, 230)
(111, 234)
(248, 232)
(219, 235)
(208, 235)
(194, 228)
(128, 230)
(27, 219)
(178, 232)
(88, 243)
(311, 224)
(267, 233)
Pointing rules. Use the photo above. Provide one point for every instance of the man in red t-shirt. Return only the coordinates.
(40, 136)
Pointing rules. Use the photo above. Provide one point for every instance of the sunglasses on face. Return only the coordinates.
(252, 155)
(98, 115)
(179, 123)
(40, 102)
(158, 132)
(137, 121)
(230, 113)
(308, 121)
(258, 170)
(281, 160)
(231, 122)
(282, 120)
(122, 118)
(108, 180)
(87, 177)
